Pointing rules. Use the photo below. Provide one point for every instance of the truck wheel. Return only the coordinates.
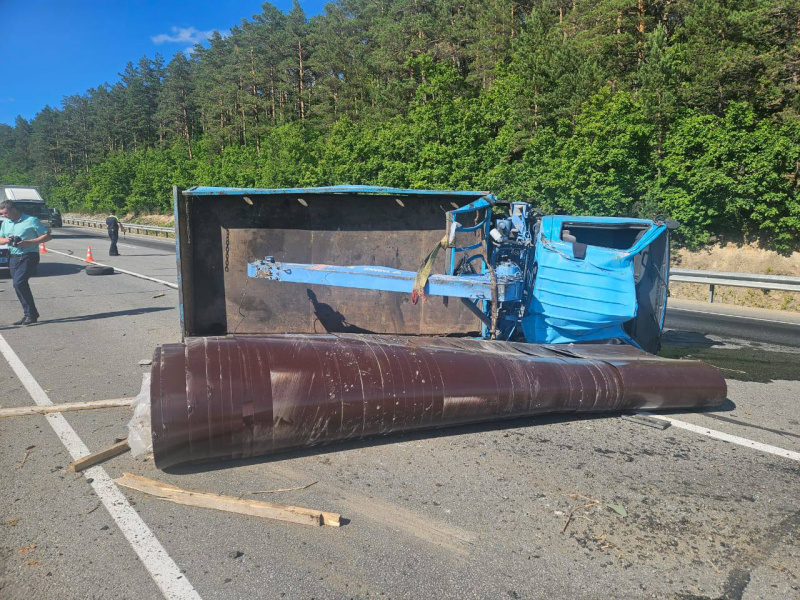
(98, 270)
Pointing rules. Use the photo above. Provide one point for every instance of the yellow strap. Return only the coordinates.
(424, 271)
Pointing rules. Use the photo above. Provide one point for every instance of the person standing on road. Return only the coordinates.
(23, 234)
(114, 226)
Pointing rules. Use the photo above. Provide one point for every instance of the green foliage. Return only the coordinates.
(688, 109)
(110, 183)
(730, 174)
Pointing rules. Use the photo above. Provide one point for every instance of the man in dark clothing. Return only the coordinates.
(114, 226)
(23, 234)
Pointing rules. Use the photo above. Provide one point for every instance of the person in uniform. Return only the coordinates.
(23, 234)
(114, 226)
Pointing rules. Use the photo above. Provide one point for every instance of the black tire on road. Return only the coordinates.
(98, 270)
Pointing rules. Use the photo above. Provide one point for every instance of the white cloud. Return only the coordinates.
(182, 35)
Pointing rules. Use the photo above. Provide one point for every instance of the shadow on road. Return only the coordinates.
(122, 254)
(104, 315)
(47, 269)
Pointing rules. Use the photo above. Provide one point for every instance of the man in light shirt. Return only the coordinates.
(23, 234)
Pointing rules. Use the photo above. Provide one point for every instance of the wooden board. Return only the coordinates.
(256, 508)
(64, 407)
(97, 457)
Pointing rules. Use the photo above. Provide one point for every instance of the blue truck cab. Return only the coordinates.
(599, 278)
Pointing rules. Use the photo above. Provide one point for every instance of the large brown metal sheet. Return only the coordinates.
(263, 306)
(219, 235)
(220, 398)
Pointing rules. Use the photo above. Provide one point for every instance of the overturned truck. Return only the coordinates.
(324, 314)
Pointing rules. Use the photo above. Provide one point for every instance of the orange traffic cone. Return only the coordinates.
(42, 248)
(89, 257)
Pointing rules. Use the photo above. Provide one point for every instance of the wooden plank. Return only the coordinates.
(97, 457)
(256, 508)
(64, 407)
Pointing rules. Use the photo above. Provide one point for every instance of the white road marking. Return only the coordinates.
(174, 286)
(129, 246)
(726, 437)
(166, 574)
(705, 312)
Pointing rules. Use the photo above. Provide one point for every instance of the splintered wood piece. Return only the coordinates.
(94, 458)
(256, 508)
(64, 407)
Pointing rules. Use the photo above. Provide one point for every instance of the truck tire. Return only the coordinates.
(99, 270)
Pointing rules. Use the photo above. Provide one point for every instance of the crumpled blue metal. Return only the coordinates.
(583, 300)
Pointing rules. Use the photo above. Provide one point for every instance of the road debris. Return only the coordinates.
(649, 421)
(592, 503)
(97, 457)
(146, 361)
(159, 295)
(28, 451)
(619, 509)
(256, 508)
(572, 513)
(291, 489)
(65, 407)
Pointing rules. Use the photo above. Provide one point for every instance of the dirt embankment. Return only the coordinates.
(740, 259)
(154, 220)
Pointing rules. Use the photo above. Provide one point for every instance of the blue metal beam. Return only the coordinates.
(475, 287)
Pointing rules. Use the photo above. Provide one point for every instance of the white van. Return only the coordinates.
(30, 202)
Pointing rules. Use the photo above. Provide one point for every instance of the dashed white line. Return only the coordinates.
(166, 574)
(726, 437)
(174, 286)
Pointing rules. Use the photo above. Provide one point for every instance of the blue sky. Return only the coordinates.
(55, 48)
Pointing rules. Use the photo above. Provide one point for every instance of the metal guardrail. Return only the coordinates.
(749, 280)
(133, 227)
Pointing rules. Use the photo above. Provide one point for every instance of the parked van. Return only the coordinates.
(30, 202)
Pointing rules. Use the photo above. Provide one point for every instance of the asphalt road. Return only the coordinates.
(513, 511)
(761, 326)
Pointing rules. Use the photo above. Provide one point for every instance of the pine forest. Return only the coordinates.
(683, 108)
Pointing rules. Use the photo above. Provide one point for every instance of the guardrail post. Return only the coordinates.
(711, 292)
